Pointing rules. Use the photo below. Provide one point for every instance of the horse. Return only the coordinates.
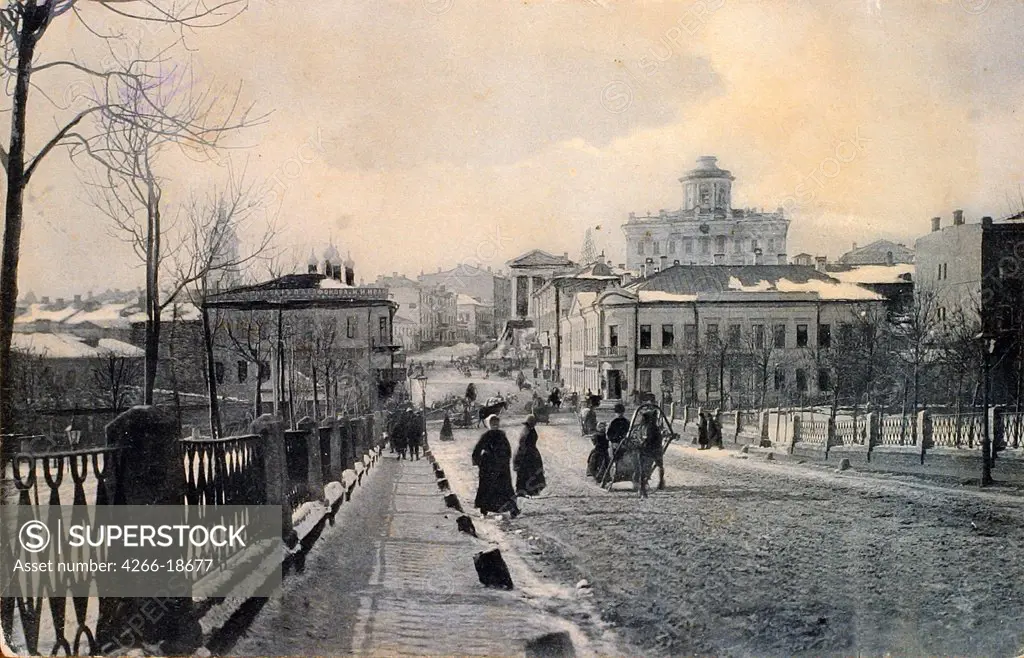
(491, 409)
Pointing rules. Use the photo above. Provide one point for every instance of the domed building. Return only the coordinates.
(706, 230)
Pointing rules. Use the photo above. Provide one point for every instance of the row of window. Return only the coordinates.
(736, 380)
(242, 371)
(654, 247)
(756, 335)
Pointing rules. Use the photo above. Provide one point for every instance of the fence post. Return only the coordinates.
(995, 417)
(271, 432)
(830, 434)
(336, 465)
(150, 471)
(924, 431)
(793, 425)
(871, 430)
(314, 473)
(345, 429)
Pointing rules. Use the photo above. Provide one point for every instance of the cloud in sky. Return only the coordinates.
(419, 134)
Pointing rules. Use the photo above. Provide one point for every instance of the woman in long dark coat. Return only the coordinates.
(492, 455)
(527, 463)
(702, 431)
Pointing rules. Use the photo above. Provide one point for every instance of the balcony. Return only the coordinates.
(613, 352)
(385, 345)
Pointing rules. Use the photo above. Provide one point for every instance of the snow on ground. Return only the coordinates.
(739, 556)
(459, 351)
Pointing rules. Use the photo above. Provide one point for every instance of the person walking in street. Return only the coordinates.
(471, 393)
(714, 432)
(527, 463)
(400, 433)
(702, 431)
(492, 456)
(589, 420)
(446, 429)
(415, 435)
(598, 460)
(555, 398)
(651, 452)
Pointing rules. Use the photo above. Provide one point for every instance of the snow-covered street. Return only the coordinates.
(743, 556)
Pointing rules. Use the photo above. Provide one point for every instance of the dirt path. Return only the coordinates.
(746, 557)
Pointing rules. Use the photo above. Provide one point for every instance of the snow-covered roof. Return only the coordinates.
(662, 296)
(106, 316)
(186, 313)
(331, 283)
(875, 273)
(45, 312)
(466, 300)
(66, 346)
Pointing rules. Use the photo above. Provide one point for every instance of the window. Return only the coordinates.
(243, 371)
(613, 335)
(712, 334)
(666, 380)
(780, 379)
(753, 245)
(758, 335)
(218, 372)
(640, 248)
(657, 247)
(737, 245)
(801, 335)
(671, 246)
(412, 306)
(771, 245)
(690, 335)
(645, 381)
(350, 327)
(845, 334)
(780, 336)
(264, 371)
(720, 244)
(801, 380)
(824, 380)
(645, 337)
(705, 245)
(688, 246)
(735, 335)
(824, 335)
(735, 379)
(667, 335)
(384, 328)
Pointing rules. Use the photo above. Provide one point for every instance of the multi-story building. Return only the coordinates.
(330, 344)
(707, 230)
(879, 252)
(764, 326)
(551, 304)
(530, 272)
(976, 273)
(490, 290)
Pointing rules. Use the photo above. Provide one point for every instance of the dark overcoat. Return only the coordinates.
(528, 464)
(492, 456)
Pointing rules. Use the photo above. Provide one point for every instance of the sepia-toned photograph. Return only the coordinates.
(541, 328)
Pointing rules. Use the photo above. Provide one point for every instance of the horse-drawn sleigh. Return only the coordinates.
(643, 449)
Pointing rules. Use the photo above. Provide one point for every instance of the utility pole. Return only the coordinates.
(988, 344)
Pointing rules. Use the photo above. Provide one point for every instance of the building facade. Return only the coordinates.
(879, 252)
(706, 230)
(976, 273)
(732, 335)
(529, 273)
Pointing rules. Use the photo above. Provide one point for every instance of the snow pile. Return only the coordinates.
(330, 283)
(460, 350)
(828, 290)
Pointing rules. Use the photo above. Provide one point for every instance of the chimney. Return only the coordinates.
(986, 222)
(565, 255)
(854, 248)
(394, 275)
(719, 259)
(78, 300)
(936, 223)
(675, 262)
(958, 217)
(60, 301)
(819, 263)
(622, 266)
(45, 300)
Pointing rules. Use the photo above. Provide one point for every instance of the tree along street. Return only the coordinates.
(739, 556)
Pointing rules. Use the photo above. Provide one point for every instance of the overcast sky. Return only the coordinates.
(425, 133)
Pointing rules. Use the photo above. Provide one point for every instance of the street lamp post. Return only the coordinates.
(988, 346)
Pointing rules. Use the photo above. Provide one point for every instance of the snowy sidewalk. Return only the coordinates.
(396, 577)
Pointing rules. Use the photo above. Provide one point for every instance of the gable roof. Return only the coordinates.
(539, 258)
(875, 253)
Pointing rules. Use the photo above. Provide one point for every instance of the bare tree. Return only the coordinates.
(23, 26)
(915, 336)
(129, 191)
(115, 377)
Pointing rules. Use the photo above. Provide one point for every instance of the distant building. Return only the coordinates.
(975, 272)
(551, 305)
(804, 259)
(653, 335)
(707, 230)
(879, 252)
(475, 320)
(530, 272)
(489, 288)
(894, 282)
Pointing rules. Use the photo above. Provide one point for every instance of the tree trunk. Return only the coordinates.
(211, 368)
(174, 370)
(152, 290)
(13, 216)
